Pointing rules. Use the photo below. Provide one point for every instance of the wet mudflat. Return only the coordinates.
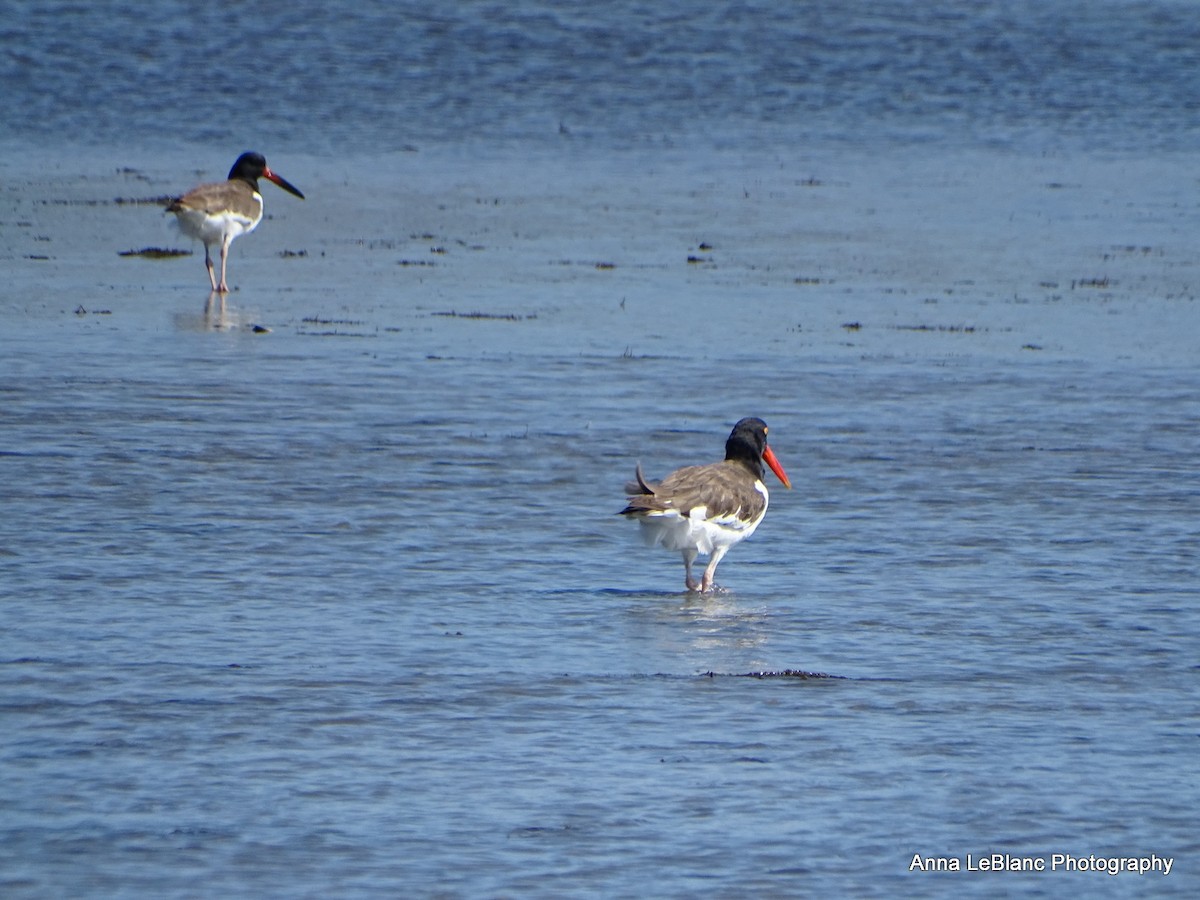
(323, 584)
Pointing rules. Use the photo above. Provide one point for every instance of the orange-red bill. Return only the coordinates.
(770, 459)
(282, 182)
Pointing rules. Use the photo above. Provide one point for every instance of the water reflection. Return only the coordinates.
(216, 315)
(722, 626)
(704, 633)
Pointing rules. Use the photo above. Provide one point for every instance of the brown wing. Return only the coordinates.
(724, 488)
(214, 198)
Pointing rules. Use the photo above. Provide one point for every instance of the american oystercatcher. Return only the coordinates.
(708, 509)
(217, 213)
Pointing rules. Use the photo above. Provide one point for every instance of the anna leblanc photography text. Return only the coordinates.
(1056, 862)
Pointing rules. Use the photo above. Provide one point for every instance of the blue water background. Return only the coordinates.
(343, 608)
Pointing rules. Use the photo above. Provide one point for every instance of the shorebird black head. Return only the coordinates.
(747, 444)
(252, 166)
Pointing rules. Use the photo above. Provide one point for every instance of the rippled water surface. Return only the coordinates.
(325, 76)
(321, 591)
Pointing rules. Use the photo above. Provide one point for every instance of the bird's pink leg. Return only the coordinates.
(223, 287)
(208, 264)
(689, 557)
(710, 572)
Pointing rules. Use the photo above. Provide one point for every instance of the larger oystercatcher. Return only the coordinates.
(217, 213)
(708, 509)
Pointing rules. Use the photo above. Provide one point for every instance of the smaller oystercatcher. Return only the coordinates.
(708, 509)
(217, 213)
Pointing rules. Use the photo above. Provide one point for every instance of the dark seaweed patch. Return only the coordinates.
(317, 320)
(782, 673)
(500, 317)
(949, 329)
(155, 253)
(162, 200)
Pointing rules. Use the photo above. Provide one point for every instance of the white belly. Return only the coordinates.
(697, 531)
(214, 228)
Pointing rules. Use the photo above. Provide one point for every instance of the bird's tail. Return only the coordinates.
(640, 494)
(641, 486)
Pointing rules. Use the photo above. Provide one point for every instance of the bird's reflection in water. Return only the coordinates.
(720, 631)
(216, 312)
(218, 315)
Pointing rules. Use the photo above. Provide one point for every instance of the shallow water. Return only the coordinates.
(342, 605)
